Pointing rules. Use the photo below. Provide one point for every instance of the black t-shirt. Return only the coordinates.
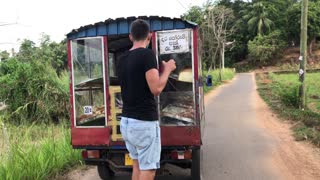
(138, 101)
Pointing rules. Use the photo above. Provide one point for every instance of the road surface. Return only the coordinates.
(244, 140)
(235, 146)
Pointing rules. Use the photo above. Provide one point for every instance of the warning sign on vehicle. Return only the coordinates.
(174, 41)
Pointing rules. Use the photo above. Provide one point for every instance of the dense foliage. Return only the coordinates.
(265, 47)
(255, 22)
(35, 138)
(34, 83)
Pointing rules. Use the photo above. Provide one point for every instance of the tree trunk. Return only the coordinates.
(222, 55)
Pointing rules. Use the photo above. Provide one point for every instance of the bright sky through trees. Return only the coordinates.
(56, 18)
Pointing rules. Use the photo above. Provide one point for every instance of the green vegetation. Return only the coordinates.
(34, 133)
(34, 137)
(263, 48)
(35, 152)
(280, 91)
(34, 91)
(261, 30)
(227, 74)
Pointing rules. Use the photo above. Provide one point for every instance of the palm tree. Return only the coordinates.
(257, 18)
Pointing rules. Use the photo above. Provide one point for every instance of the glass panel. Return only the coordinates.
(112, 65)
(88, 82)
(177, 106)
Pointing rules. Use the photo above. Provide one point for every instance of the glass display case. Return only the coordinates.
(176, 102)
(88, 82)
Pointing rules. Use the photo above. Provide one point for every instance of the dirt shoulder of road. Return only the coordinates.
(78, 172)
(295, 160)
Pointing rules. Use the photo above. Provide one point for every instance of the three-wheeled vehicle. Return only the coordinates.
(95, 94)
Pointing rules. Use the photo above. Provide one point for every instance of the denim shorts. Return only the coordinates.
(143, 142)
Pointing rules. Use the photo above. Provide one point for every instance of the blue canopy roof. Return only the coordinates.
(122, 26)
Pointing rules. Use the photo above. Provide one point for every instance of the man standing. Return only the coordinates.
(140, 82)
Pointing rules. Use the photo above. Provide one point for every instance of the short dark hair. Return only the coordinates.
(139, 29)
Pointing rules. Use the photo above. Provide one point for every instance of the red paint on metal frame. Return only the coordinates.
(196, 73)
(90, 136)
(117, 143)
(70, 84)
(195, 52)
(180, 136)
(170, 135)
(106, 59)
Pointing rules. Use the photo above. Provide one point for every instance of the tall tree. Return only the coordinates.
(194, 14)
(294, 17)
(53, 52)
(258, 18)
(219, 30)
(27, 51)
(4, 55)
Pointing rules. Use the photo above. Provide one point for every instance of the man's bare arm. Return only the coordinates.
(157, 83)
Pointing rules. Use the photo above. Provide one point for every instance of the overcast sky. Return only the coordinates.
(58, 17)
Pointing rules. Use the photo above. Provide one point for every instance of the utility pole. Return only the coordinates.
(303, 52)
(224, 45)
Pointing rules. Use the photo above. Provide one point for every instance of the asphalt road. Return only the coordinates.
(235, 146)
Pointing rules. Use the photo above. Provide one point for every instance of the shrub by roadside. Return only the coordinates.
(33, 92)
(281, 94)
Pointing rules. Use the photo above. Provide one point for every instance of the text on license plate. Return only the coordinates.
(127, 160)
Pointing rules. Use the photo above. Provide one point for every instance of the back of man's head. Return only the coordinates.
(139, 30)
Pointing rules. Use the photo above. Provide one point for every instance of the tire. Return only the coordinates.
(105, 172)
(196, 164)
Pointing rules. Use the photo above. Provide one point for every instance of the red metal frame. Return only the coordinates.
(196, 73)
(106, 66)
(71, 83)
(90, 136)
(170, 135)
(182, 135)
(195, 53)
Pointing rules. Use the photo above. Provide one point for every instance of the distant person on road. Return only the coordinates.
(140, 82)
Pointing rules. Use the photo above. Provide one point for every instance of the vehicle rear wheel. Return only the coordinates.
(196, 164)
(105, 172)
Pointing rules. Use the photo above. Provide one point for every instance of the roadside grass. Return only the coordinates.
(35, 151)
(227, 75)
(281, 93)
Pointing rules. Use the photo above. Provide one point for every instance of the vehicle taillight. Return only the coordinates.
(84, 154)
(90, 154)
(181, 154)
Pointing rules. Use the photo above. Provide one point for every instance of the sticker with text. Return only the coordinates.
(87, 110)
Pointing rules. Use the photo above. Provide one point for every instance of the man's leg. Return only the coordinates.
(136, 170)
(145, 137)
(147, 174)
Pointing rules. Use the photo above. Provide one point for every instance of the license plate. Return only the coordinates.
(127, 160)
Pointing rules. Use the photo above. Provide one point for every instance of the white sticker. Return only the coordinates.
(180, 155)
(301, 72)
(174, 41)
(87, 110)
(300, 58)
